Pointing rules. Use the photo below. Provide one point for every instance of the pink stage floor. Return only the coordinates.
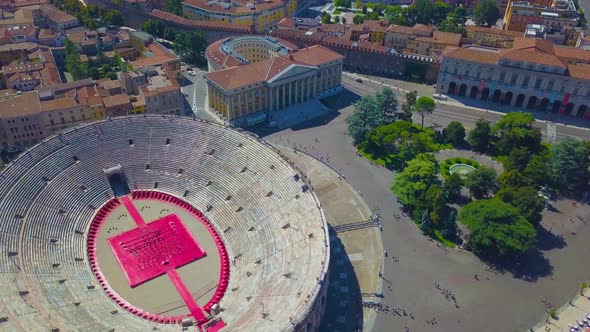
(148, 251)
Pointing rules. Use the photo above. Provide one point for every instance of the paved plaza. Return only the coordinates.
(499, 301)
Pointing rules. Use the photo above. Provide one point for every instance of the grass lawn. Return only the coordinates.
(446, 165)
(442, 240)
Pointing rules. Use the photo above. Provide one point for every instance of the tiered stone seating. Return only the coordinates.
(274, 245)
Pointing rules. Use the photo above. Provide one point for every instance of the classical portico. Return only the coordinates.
(274, 84)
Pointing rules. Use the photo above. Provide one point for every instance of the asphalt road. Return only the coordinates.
(445, 113)
(194, 89)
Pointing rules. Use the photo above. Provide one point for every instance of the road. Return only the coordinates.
(445, 113)
(194, 89)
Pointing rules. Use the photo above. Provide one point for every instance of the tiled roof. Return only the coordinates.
(241, 76)
(581, 71)
(399, 29)
(533, 50)
(572, 53)
(56, 15)
(473, 54)
(439, 37)
(286, 22)
(59, 104)
(508, 33)
(20, 105)
(215, 6)
(116, 100)
(206, 25)
(158, 57)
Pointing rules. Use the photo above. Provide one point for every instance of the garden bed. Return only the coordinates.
(445, 166)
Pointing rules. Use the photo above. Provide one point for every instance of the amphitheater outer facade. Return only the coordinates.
(274, 232)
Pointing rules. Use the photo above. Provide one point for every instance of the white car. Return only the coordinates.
(192, 73)
(439, 96)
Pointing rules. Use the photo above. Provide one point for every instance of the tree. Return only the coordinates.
(77, 69)
(358, 19)
(358, 4)
(518, 159)
(364, 9)
(480, 137)
(536, 169)
(497, 229)
(510, 179)
(440, 11)
(365, 118)
(374, 15)
(411, 184)
(408, 106)
(190, 47)
(453, 186)
(436, 203)
(482, 182)
(336, 19)
(424, 105)
(526, 199)
(486, 13)
(325, 18)
(342, 3)
(455, 133)
(343, 20)
(115, 18)
(516, 130)
(174, 6)
(386, 103)
(454, 22)
(567, 168)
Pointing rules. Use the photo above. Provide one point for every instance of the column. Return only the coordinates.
(291, 93)
(284, 97)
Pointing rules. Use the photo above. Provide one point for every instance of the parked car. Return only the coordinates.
(359, 80)
(189, 69)
(439, 96)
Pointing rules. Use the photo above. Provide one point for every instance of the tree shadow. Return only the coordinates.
(548, 241)
(528, 267)
(344, 309)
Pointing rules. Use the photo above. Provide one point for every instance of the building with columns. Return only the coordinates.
(251, 91)
(533, 74)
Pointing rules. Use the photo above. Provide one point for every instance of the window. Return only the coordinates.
(502, 76)
(538, 83)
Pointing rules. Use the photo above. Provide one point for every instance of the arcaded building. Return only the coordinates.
(533, 74)
(260, 75)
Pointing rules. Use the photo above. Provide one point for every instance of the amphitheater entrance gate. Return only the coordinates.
(118, 181)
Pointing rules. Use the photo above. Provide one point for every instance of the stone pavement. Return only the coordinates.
(575, 310)
(356, 257)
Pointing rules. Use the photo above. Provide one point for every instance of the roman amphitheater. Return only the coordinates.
(159, 223)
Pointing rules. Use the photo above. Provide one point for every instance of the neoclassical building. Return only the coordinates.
(533, 74)
(269, 79)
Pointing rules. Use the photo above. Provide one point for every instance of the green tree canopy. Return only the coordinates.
(567, 167)
(424, 106)
(496, 228)
(536, 169)
(358, 19)
(481, 136)
(526, 200)
(386, 103)
(482, 182)
(453, 186)
(411, 184)
(486, 12)
(518, 158)
(190, 47)
(115, 18)
(174, 6)
(408, 106)
(455, 133)
(510, 179)
(516, 130)
(364, 118)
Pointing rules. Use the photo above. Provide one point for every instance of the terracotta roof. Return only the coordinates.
(572, 53)
(89, 96)
(423, 28)
(20, 105)
(446, 38)
(216, 7)
(315, 55)
(399, 29)
(159, 56)
(286, 22)
(46, 33)
(258, 72)
(533, 50)
(206, 25)
(59, 104)
(110, 84)
(56, 15)
(473, 54)
(116, 100)
(508, 33)
(581, 71)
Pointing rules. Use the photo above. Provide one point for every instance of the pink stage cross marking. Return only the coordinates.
(193, 252)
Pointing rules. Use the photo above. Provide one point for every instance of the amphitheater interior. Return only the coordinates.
(270, 226)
